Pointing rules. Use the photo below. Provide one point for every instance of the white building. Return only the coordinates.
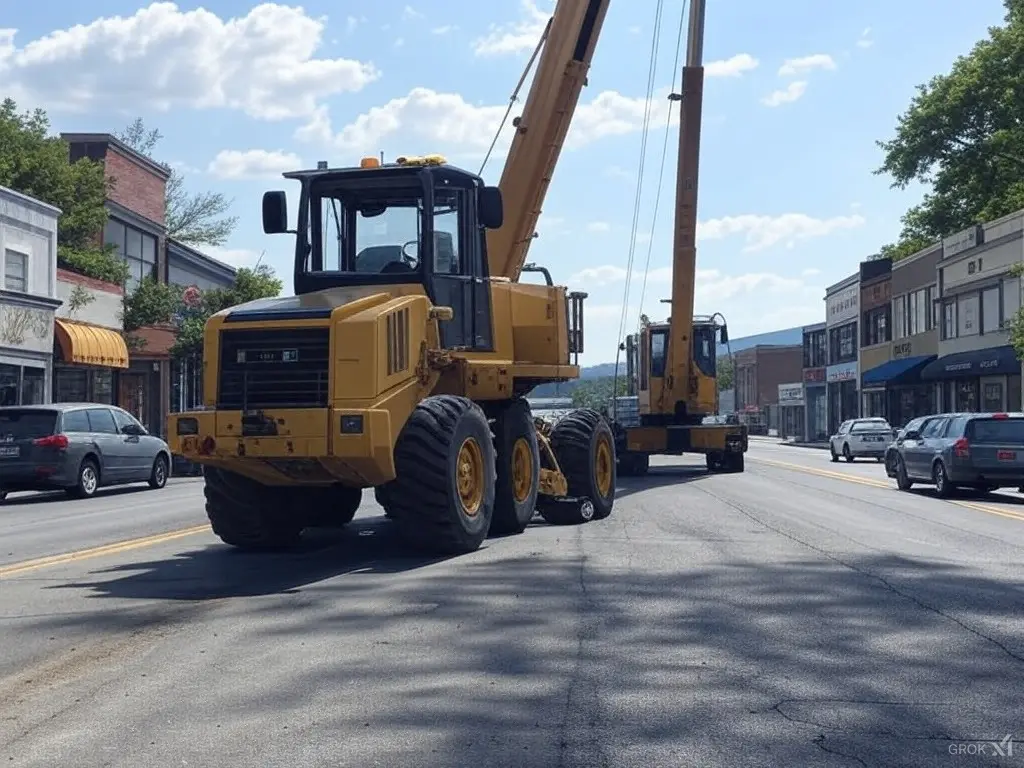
(28, 298)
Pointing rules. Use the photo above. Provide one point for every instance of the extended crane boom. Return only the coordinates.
(569, 43)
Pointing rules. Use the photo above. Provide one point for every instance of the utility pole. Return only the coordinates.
(684, 246)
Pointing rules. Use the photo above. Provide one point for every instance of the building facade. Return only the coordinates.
(791, 410)
(136, 228)
(758, 372)
(842, 310)
(815, 390)
(978, 298)
(914, 340)
(28, 298)
(875, 331)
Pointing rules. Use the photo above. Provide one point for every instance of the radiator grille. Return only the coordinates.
(398, 341)
(262, 369)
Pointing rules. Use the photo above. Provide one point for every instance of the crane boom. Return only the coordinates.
(570, 39)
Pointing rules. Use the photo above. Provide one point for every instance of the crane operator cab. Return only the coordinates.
(413, 226)
(647, 371)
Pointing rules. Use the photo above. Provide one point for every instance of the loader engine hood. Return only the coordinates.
(311, 306)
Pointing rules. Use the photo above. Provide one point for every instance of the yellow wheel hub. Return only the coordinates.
(470, 476)
(603, 467)
(522, 470)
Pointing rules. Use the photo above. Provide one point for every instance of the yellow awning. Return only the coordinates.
(90, 344)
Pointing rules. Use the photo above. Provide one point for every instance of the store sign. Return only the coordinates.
(791, 394)
(902, 349)
(814, 375)
(843, 305)
(841, 372)
(963, 241)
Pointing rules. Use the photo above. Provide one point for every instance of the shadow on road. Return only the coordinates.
(368, 545)
(660, 477)
(48, 497)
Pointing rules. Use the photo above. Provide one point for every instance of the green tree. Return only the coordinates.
(259, 282)
(597, 393)
(37, 164)
(963, 136)
(194, 218)
(724, 373)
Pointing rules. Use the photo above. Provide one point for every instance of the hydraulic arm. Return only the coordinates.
(540, 131)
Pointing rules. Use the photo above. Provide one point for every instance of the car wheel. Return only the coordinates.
(3, 496)
(846, 453)
(833, 454)
(903, 481)
(88, 479)
(158, 477)
(942, 487)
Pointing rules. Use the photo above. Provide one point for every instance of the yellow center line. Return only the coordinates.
(107, 549)
(881, 484)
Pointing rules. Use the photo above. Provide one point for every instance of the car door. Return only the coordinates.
(840, 435)
(142, 447)
(113, 451)
(926, 448)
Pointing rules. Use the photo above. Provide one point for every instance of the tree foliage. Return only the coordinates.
(37, 164)
(260, 282)
(963, 136)
(193, 218)
(724, 377)
(597, 393)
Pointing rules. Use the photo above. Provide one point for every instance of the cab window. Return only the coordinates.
(704, 349)
(659, 344)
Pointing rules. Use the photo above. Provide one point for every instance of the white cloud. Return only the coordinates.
(517, 37)
(431, 121)
(410, 14)
(236, 257)
(253, 164)
(865, 41)
(787, 95)
(163, 58)
(761, 232)
(734, 66)
(805, 64)
(599, 226)
(618, 172)
(444, 29)
(812, 272)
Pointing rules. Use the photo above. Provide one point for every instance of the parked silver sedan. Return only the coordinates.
(77, 448)
(858, 438)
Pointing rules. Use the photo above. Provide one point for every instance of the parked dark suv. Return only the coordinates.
(982, 451)
(77, 447)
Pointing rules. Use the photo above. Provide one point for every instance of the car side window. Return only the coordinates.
(75, 421)
(914, 425)
(956, 426)
(844, 427)
(124, 419)
(102, 421)
(934, 428)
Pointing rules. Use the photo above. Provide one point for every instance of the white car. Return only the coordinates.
(861, 438)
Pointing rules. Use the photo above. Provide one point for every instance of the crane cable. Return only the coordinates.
(645, 129)
(664, 151)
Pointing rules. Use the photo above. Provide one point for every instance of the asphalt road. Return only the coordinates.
(801, 614)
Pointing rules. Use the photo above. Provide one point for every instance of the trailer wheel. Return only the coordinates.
(584, 445)
(330, 507)
(442, 497)
(518, 470)
(247, 514)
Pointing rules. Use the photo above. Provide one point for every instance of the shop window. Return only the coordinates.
(967, 315)
(990, 315)
(874, 404)
(876, 326)
(992, 396)
(899, 317)
(949, 320)
(1011, 299)
(967, 396)
(15, 271)
(22, 385)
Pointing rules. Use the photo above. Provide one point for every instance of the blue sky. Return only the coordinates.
(788, 203)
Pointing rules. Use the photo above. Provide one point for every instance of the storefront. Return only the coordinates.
(842, 394)
(815, 405)
(894, 390)
(977, 381)
(791, 410)
(86, 361)
(26, 351)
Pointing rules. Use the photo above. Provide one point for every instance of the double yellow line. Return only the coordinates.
(883, 484)
(117, 547)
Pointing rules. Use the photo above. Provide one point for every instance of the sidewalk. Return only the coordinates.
(822, 446)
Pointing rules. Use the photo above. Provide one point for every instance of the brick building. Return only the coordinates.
(758, 373)
(136, 226)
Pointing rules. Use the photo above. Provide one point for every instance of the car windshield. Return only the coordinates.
(26, 424)
(871, 425)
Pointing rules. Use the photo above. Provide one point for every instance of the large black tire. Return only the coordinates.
(518, 469)
(330, 507)
(632, 464)
(584, 446)
(442, 498)
(249, 515)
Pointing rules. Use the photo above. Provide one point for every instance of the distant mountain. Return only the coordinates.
(786, 336)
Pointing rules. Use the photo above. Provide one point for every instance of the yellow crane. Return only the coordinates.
(403, 360)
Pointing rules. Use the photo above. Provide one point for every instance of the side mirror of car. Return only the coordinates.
(912, 435)
(131, 429)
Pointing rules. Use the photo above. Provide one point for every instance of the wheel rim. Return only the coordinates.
(470, 477)
(88, 479)
(161, 474)
(603, 466)
(522, 470)
(940, 477)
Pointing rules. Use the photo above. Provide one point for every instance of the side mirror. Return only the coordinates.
(912, 435)
(724, 335)
(490, 209)
(131, 429)
(275, 212)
